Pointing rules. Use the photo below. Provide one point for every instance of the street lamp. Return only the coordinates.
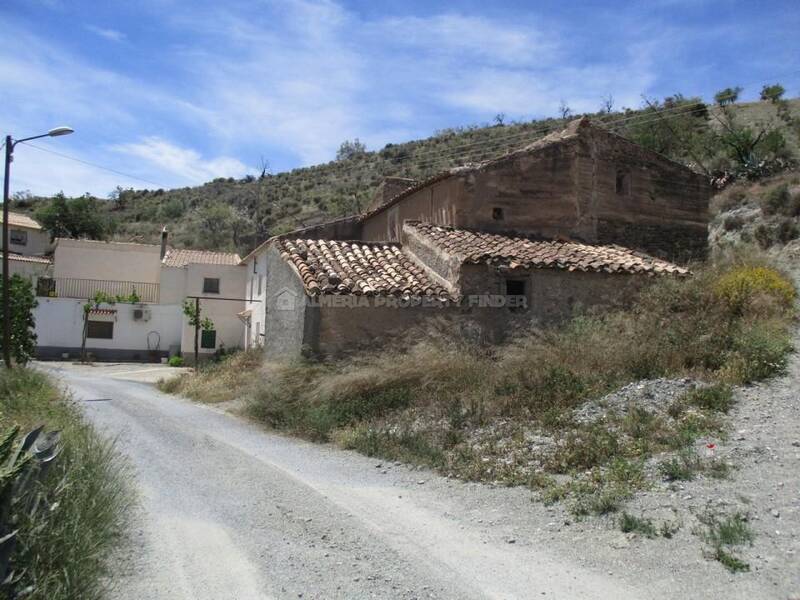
(10, 143)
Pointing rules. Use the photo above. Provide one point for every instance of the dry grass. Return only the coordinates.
(469, 410)
(226, 380)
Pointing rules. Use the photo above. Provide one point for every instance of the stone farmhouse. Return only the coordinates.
(575, 220)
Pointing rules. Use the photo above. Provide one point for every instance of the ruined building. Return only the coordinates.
(577, 219)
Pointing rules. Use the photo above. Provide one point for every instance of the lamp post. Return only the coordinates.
(10, 143)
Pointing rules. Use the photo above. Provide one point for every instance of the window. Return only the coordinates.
(623, 183)
(497, 213)
(251, 283)
(208, 339)
(100, 330)
(210, 285)
(260, 281)
(516, 294)
(18, 237)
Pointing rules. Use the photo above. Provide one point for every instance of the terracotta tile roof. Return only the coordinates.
(308, 231)
(360, 268)
(512, 252)
(181, 258)
(30, 259)
(21, 220)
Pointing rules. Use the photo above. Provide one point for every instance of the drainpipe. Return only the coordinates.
(164, 236)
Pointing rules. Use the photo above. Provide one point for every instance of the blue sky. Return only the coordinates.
(177, 92)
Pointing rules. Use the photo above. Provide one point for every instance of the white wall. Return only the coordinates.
(112, 261)
(173, 285)
(38, 242)
(59, 324)
(29, 270)
(255, 268)
(229, 328)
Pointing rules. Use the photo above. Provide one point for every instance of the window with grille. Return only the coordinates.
(208, 339)
(210, 285)
(100, 330)
(18, 237)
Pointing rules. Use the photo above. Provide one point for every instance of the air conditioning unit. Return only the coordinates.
(141, 314)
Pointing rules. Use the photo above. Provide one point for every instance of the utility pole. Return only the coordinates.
(10, 143)
(196, 330)
(6, 279)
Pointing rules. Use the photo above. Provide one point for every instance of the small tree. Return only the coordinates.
(564, 110)
(773, 92)
(92, 303)
(196, 320)
(727, 96)
(23, 301)
(73, 218)
(351, 149)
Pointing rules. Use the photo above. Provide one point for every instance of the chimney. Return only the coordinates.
(164, 236)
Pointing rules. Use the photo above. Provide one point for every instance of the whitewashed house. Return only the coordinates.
(214, 279)
(28, 244)
(151, 283)
(26, 236)
(254, 313)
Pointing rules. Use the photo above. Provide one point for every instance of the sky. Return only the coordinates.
(172, 93)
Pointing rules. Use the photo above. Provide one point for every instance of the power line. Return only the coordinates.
(643, 114)
(498, 143)
(91, 164)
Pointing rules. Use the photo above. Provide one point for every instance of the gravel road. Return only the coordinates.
(229, 511)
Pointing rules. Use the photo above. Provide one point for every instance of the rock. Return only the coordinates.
(511, 541)
(775, 513)
(420, 482)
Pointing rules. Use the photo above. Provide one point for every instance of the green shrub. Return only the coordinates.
(175, 361)
(725, 533)
(759, 350)
(776, 200)
(715, 397)
(23, 302)
(583, 448)
(682, 467)
(629, 523)
(764, 235)
(733, 223)
(786, 231)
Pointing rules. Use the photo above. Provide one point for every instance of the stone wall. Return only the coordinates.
(591, 186)
(286, 329)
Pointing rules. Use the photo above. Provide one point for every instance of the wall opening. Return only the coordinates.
(623, 183)
(497, 213)
(516, 294)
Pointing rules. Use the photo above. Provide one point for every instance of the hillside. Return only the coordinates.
(229, 214)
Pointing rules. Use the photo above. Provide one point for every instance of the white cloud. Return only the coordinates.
(109, 34)
(469, 37)
(182, 163)
(296, 78)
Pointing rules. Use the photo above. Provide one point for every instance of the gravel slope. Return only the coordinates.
(229, 511)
